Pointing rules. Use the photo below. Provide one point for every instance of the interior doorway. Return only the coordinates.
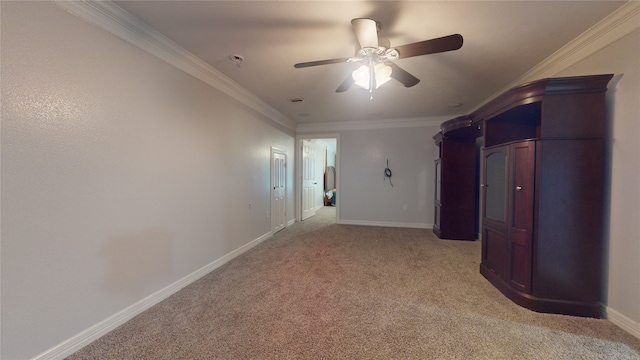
(318, 174)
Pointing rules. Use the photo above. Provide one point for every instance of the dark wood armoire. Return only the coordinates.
(542, 193)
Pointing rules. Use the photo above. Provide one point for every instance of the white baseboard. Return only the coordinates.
(291, 222)
(386, 224)
(623, 322)
(96, 331)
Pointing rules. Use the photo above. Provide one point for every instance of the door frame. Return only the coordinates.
(298, 171)
(275, 150)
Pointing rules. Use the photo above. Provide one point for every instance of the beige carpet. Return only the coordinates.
(318, 290)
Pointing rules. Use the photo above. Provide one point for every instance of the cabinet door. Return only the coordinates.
(437, 204)
(521, 219)
(494, 210)
(494, 251)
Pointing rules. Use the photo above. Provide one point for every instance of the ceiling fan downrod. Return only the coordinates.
(372, 80)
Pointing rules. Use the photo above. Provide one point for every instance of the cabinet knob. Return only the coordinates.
(519, 188)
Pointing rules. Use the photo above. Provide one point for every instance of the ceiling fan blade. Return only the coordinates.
(402, 75)
(437, 45)
(346, 84)
(366, 31)
(320, 62)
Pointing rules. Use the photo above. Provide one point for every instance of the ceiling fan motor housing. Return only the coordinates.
(366, 31)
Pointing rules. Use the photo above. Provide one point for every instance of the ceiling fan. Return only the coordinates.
(376, 57)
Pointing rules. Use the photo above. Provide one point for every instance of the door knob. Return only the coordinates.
(519, 188)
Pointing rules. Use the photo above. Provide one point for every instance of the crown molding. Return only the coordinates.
(612, 28)
(115, 20)
(370, 124)
(618, 24)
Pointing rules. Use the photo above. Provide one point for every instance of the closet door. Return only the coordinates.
(521, 219)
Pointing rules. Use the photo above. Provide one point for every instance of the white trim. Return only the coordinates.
(291, 222)
(371, 124)
(118, 22)
(94, 332)
(623, 322)
(386, 224)
(612, 28)
(616, 25)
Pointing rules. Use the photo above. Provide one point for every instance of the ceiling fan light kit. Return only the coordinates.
(379, 72)
(377, 67)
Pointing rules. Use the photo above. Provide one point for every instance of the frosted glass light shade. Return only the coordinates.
(361, 75)
(383, 73)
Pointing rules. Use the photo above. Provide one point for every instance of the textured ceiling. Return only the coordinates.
(502, 41)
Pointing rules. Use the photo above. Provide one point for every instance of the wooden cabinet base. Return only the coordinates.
(553, 306)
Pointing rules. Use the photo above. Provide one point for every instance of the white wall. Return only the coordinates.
(366, 197)
(330, 146)
(121, 175)
(331, 156)
(621, 59)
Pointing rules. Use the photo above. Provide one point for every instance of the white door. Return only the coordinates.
(278, 190)
(309, 179)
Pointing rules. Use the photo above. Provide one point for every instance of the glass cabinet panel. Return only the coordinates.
(495, 186)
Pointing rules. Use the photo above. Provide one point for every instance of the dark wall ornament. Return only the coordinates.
(387, 173)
